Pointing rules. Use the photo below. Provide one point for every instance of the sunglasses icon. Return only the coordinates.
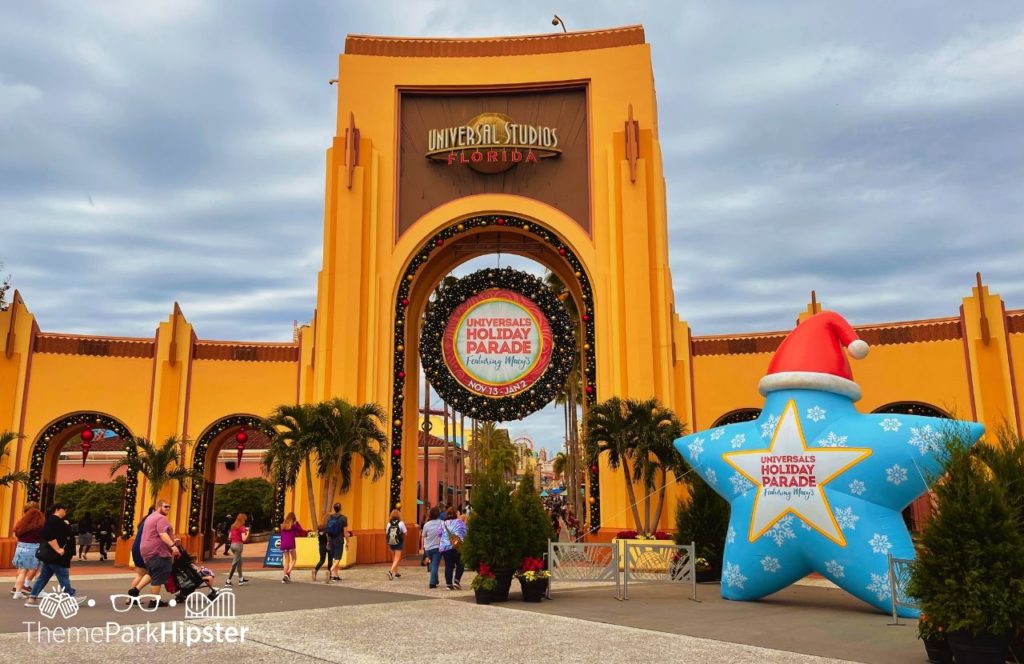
(123, 603)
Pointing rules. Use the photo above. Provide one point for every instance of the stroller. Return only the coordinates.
(185, 577)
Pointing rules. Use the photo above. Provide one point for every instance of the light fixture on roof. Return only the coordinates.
(558, 21)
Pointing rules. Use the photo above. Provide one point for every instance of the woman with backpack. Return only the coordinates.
(453, 532)
(394, 535)
(290, 529)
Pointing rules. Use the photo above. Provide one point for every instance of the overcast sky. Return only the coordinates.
(174, 151)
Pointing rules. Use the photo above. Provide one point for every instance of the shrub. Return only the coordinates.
(969, 573)
(704, 520)
(537, 528)
(254, 496)
(495, 529)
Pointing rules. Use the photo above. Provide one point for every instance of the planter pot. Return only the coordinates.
(503, 578)
(483, 596)
(981, 649)
(709, 576)
(533, 591)
(938, 651)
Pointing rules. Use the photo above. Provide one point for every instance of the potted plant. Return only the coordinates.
(706, 573)
(935, 643)
(533, 579)
(483, 584)
(495, 532)
(969, 574)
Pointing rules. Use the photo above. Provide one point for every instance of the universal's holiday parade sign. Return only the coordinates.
(497, 344)
(815, 486)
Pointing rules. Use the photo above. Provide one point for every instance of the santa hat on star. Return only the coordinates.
(812, 357)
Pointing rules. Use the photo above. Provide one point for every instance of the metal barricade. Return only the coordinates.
(579, 561)
(899, 576)
(658, 562)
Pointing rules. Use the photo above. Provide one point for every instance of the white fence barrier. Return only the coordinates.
(640, 562)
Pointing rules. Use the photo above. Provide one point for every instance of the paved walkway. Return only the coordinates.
(368, 619)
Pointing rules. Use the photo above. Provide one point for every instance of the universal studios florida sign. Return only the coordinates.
(492, 143)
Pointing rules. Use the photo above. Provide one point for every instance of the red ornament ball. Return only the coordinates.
(590, 389)
(396, 452)
(405, 301)
(401, 374)
(439, 241)
(500, 222)
(593, 469)
(241, 437)
(586, 317)
(87, 435)
(561, 251)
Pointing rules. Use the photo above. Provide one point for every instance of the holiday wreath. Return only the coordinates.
(497, 344)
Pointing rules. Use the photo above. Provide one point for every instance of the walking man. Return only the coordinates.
(158, 549)
(337, 526)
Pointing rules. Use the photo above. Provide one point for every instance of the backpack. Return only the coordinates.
(334, 527)
(394, 533)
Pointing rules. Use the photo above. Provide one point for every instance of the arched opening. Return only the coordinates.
(228, 454)
(79, 449)
(455, 244)
(920, 511)
(737, 416)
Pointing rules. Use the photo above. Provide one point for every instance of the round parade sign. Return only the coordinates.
(497, 344)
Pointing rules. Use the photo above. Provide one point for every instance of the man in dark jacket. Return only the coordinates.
(105, 533)
(57, 545)
(223, 532)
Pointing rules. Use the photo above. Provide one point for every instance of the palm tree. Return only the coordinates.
(638, 433)
(558, 464)
(608, 430)
(351, 431)
(17, 476)
(161, 465)
(568, 393)
(297, 434)
(493, 451)
(653, 429)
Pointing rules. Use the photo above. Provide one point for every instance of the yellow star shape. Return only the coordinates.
(791, 478)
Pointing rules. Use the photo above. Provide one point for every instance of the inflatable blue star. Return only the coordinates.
(814, 485)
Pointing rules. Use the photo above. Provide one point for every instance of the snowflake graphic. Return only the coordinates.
(696, 447)
(925, 439)
(717, 433)
(730, 536)
(835, 569)
(782, 531)
(732, 576)
(897, 474)
(770, 564)
(740, 484)
(846, 518)
(738, 440)
(880, 543)
(890, 424)
(768, 428)
(711, 476)
(832, 440)
(857, 488)
(816, 413)
(880, 586)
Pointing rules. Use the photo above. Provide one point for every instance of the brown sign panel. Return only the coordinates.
(455, 144)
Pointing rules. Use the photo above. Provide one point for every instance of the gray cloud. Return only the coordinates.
(174, 151)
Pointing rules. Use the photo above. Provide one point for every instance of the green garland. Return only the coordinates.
(497, 409)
